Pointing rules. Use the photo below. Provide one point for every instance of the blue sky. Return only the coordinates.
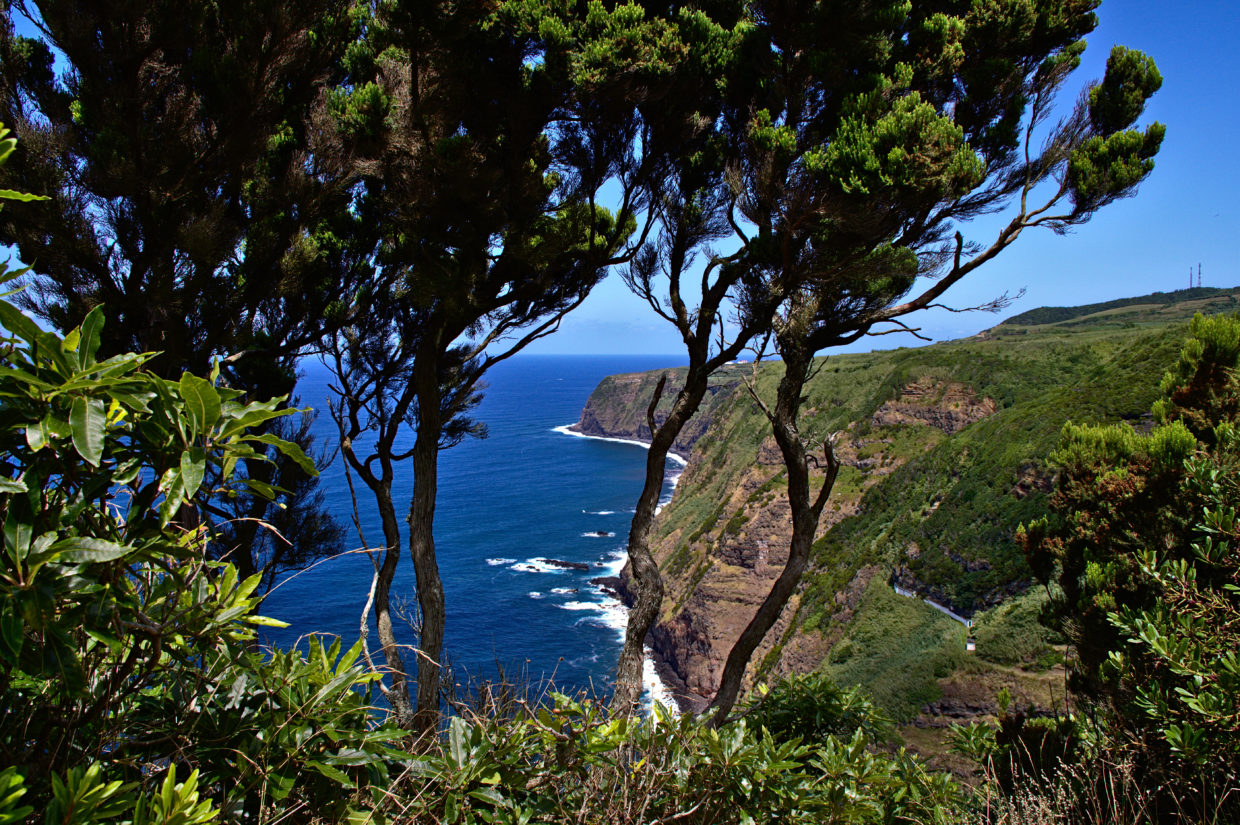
(1185, 213)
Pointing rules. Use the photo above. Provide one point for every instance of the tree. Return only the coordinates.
(189, 198)
(483, 134)
(870, 133)
(1142, 558)
(691, 201)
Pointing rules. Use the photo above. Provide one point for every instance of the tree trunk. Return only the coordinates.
(806, 511)
(402, 708)
(422, 538)
(646, 583)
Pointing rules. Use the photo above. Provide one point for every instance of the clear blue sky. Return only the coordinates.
(1185, 213)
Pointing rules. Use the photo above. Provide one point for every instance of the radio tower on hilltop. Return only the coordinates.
(1199, 276)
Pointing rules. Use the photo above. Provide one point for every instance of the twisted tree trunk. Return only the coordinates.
(806, 511)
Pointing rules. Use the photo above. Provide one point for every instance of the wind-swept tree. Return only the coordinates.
(483, 134)
(177, 143)
(685, 278)
(867, 134)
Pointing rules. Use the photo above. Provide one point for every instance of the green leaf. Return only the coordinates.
(11, 628)
(12, 485)
(265, 621)
(335, 775)
(193, 467)
(83, 549)
(24, 197)
(202, 401)
(173, 487)
(36, 436)
(16, 322)
(87, 420)
(289, 449)
(90, 329)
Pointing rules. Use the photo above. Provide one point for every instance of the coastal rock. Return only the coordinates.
(734, 562)
(949, 407)
(617, 407)
(614, 586)
(564, 565)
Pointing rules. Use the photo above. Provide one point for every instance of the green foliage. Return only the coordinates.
(1018, 751)
(1143, 546)
(1131, 79)
(123, 645)
(571, 762)
(897, 649)
(812, 707)
(1010, 633)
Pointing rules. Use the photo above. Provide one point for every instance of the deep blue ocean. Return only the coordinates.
(526, 492)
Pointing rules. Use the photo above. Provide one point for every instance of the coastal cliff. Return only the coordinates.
(617, 407)
(944, 455)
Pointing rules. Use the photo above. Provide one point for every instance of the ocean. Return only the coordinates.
(530, 491)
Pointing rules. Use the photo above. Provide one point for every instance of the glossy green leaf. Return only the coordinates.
(82, 549)
(16, 322)
(289, 449)
(36, 436)
(334, 774)
(86, 421)
(202, 402)
(90, 330)
(193, 467)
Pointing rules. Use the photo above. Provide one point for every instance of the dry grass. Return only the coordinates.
(1108, 791)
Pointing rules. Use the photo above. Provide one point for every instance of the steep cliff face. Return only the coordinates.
(617, 407)
(721, 572)
(944, 454)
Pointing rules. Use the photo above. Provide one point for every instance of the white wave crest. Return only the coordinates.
(536, 566)
(498, 562)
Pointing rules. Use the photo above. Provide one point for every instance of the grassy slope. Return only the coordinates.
(948, 498)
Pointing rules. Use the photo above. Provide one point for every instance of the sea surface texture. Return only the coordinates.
(527, 493)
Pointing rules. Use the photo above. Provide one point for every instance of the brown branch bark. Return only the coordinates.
(806, 511)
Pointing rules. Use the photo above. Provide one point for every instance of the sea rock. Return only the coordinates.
(617, 407)
(565, 565)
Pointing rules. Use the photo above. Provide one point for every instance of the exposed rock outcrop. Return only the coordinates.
(617, 407)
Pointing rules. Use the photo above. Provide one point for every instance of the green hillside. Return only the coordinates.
(927, 494)
(1153, 308)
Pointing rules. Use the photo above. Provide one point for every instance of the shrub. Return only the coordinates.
(128, 657)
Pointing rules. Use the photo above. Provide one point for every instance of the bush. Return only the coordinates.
(128, 657)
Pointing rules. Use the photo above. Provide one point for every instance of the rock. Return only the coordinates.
(614, 586)
(566, 565)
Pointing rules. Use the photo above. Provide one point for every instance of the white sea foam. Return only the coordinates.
(614, 563)
(561, 591)
(580, 606)
(534, 594)
(611, 611)
(599, 512)
(536, 566)
(654, 688)
(564, 430)
(498, 562)
(598, 534)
